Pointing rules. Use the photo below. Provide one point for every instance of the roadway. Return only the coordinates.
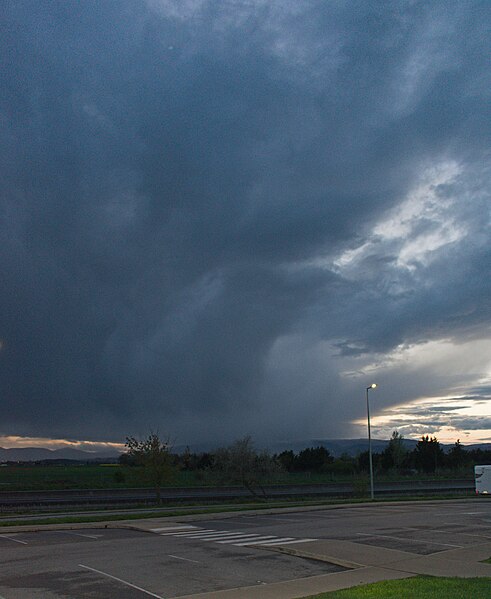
(121, 496)
(207, 555)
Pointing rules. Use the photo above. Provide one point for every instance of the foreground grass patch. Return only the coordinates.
(419, 587)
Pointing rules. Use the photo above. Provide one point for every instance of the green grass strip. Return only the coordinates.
(418, 587)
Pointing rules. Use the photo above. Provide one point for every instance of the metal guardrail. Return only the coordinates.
(147, 495)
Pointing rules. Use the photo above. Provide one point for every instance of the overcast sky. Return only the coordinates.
(230, 217)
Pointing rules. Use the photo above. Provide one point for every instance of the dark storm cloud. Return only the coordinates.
(172, 174)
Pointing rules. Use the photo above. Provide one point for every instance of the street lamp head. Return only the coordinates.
(372, 386)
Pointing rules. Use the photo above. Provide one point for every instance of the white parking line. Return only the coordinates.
(133, 586)
(12, 539)
(185, 559)
(366, 534)
(77, 534)
(275, 518)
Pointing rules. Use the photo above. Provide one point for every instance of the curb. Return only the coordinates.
(313, 556)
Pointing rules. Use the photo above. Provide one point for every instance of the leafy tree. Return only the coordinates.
(287, 460)
(187, 459)
(394, 454)
(126, 460)
(479, 456)
(240, 463)
(428, 455)
(314, 459)
(204, 460)
(363, 461)
(457, 456)
(343, 465)
(153, 456)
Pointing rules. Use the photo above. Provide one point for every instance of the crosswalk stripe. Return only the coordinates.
(172, 527)
(235, 537)
(275, 541)
(193, 533)
(253, 541)
(244, 536)
(185, 533)
(213, 536)
(225, 537)
(207, 535)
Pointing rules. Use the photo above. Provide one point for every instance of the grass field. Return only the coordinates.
(34, 478)
(419, 587)
(96, 476)
(87, 476)
(26, 478)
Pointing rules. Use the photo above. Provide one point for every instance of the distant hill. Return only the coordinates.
(336, 447)
(36, 454)
(354, 447)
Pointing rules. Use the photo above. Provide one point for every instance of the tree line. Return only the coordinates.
(242, 464)
(427, 457)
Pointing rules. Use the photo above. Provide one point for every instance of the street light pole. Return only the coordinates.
(372, 386)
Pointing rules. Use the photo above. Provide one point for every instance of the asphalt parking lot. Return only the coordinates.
(127, 564)
(421, 528)
(207, 554)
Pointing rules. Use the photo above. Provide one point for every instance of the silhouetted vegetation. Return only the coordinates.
(253, 470)
(241, 464)
(152, 456)
(427, 457)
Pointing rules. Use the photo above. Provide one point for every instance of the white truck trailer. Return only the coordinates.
(482, 475)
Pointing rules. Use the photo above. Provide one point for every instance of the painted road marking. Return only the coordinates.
(254, 541)
(12, 539)
(215, 535)
(128, 584)
(230, 537)
(275, 541)
(237, 538)
(286, 541)
(192, 534)
(366, 534)
(77, 534)
(274, 518)
(164, 528)
(243, 537)
(186, 533)
(297, 541)
(185, 559)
